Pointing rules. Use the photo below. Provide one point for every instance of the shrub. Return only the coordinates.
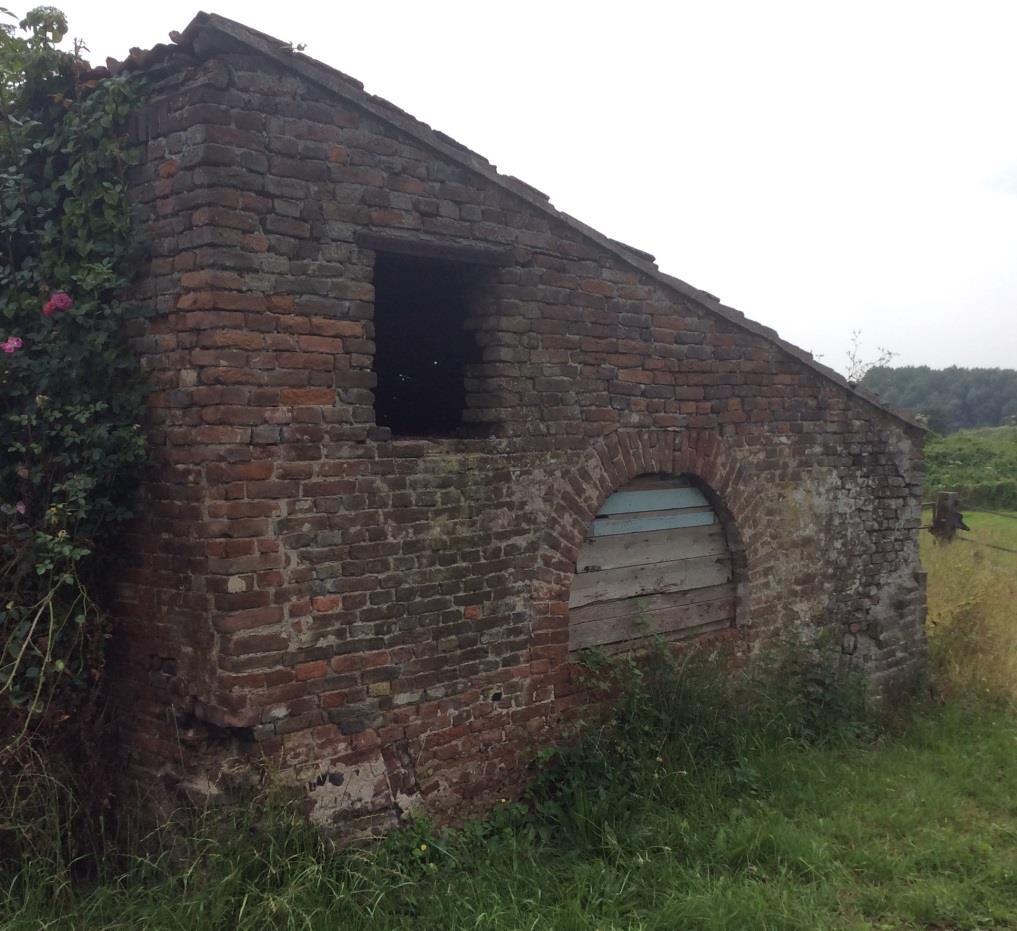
(70, 392)
(676, 719)
(979, 464)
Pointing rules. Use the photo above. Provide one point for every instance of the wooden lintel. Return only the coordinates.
(434, 248)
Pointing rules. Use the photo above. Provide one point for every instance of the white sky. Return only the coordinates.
(823, 167)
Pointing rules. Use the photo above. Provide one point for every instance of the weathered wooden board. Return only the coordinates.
(662, 499)
(655, 561)
(636, 549)
(627, 646)
(650, 521)
(663, 621)
(631, 581)
(624, 607)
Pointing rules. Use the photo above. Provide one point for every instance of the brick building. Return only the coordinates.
(418, 437)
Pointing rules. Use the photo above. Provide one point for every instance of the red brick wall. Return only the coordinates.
(385, 618)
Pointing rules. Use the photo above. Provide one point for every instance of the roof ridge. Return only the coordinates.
(353, 90)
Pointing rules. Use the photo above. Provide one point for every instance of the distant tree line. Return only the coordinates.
(953, 398)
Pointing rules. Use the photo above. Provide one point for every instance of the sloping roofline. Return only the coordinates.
(209, 33)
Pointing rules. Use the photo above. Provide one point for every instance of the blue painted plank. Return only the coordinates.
(604, 527)
(665, 499)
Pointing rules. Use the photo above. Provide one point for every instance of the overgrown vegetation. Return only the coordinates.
(768, 799)
(972, 614)
(980, 464)
(677, 722)
(70, 393)
(777, 801)
(953, 398)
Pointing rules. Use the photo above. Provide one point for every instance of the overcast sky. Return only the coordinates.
(823, 167)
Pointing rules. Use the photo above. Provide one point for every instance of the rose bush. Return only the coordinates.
(71, 395)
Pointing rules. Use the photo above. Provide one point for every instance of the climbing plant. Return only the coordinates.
(70, 391)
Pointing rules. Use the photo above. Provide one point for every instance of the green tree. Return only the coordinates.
(953, 398)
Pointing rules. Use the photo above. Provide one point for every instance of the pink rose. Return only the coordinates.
(58, 301)
(11, 345)
(21, 507)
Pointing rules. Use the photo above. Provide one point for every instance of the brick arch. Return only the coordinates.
(584, 486)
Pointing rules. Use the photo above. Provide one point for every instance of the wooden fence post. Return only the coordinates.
(946, 518)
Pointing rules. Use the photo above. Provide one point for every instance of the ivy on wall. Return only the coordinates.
(71, 395)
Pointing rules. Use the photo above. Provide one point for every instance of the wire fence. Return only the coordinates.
(991, 546)
(995, 513)
(968, 510)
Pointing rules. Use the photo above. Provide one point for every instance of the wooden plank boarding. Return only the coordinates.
(624, 607)
(634, 549)
(627, 646)
(655, 562)
(632, 581)
(650, 623)
(666, 499)
(649, 521)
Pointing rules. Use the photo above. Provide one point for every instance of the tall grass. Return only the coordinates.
(682, 735)
(682, 724)
(973, 608)
(887, 834)
(766, 800)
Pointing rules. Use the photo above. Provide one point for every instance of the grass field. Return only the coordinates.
(973, 606)
(738, 823)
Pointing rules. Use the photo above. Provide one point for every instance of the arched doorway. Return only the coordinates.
(655, 562)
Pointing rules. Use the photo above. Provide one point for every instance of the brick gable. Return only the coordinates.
(387, 618)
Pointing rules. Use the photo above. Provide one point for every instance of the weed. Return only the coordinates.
(972, 619)
(704, 798)
(676, 722)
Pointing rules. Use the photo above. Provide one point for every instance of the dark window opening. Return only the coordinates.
(422, 344)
